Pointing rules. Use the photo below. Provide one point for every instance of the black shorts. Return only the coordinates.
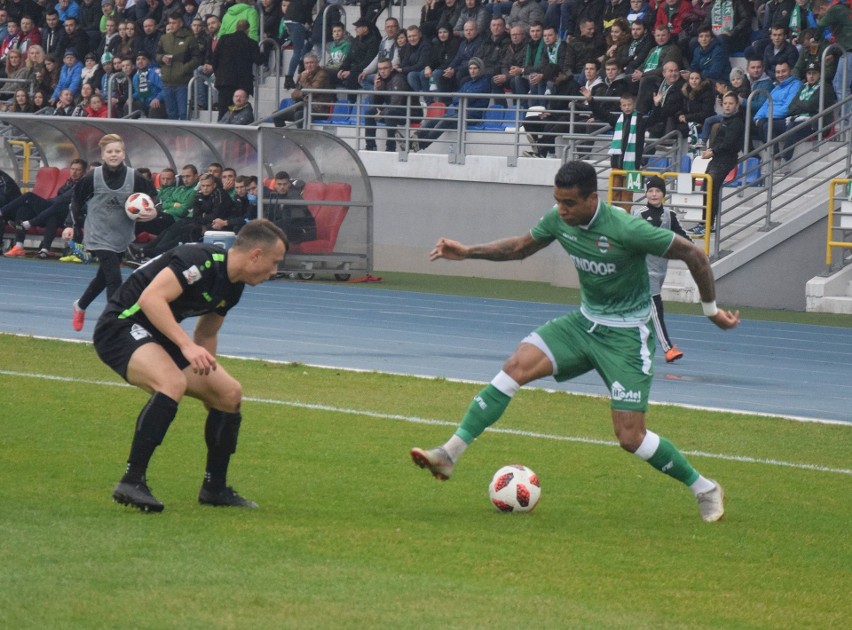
(116, 340)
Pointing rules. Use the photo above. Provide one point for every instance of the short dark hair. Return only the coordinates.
(80, 161)
(191, 167)
(282, 175)
(577, 174)
(260, 233)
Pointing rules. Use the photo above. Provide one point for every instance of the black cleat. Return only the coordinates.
(136, 495)
(226, 497)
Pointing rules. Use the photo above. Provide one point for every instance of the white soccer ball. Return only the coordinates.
(514, 488)
(140, 207)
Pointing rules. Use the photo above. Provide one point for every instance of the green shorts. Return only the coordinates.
(624, 357)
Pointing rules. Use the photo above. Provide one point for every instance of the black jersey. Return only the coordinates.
(202, 271)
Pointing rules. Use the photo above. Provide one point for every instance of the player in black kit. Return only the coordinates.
(140, 337)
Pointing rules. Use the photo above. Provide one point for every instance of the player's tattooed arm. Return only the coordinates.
(512, 248)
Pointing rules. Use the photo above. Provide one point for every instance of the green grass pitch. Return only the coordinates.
(351, 534)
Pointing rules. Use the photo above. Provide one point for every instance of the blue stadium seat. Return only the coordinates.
(494, 117)
(343, 113)
(748, 174)
(685, 164)
(658, 163)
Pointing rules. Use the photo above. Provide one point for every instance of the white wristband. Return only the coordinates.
(710, 308)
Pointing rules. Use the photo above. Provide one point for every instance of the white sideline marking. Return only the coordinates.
(445, 423)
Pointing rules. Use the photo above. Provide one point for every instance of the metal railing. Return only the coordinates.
(839, 221)
(766, 191)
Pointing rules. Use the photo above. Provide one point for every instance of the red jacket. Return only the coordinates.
(676, 20)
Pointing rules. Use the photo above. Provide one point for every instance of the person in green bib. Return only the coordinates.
(609, 333)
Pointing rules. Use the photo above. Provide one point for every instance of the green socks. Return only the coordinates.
(484, 410)
(664, 456)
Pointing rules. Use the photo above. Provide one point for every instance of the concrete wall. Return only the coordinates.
(482, 201)
(777, 278)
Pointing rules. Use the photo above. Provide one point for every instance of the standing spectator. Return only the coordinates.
(108, 230)
(731, 21)
(779, 50)
(241, 10)
(150, 39)
(627, 146)
(241, 112)
(658, 216)
(389, 108)
(233, 64)
(147, 88)
(69, 76)
(298, 18)
(725, 146)
(178, 55)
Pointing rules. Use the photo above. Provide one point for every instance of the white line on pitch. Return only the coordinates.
(431, 421)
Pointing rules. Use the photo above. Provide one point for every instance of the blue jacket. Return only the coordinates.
(467, 50)
(781, 96)
(155, 86)
(712, 63)
(475, 106)
(69, 79)
(763, 83)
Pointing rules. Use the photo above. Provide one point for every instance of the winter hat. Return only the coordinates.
(656, 181)
(476, 61)
(106, 58)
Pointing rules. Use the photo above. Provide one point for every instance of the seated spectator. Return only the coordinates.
(456, 74)
(512, 64)
(444, 50)
(96, 107)
(9, 191)
(241, 112)
(388, 49)
(649, 75)
(389, 108)
(414, 58)
(804, 108)
(296, 220)
(710, 57)
(312, 77)
(588, 45)
(147, 88)
(759, 82)
(86, 92)
(210, 203)
(836, 18)
(633, 57)
(29, 210)
(364, 49)
(40, 102)
(337, 49)
(65, 105)
(20, 104)
(785, 91)
(614, 84)
(473, 11)
(618, 39)
(430, 16)
(675, 15)
(533, 62)
(176, 200)
(738, 85)
(76, 38)
(53, 36)
(432, 128)
(769, 13)
(669, 104)
(812, 50)
(699, 103)
(91, 73)
(69, 76)
(47, 79)
(543, 128)
(779, 50)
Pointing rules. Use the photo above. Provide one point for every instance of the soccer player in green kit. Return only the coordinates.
(609, 333)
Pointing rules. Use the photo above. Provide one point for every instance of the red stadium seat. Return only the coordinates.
(328, 218)
(46, 182)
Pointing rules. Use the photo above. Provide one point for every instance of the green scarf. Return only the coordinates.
(536, 57)
(653, 59)
(722, 17)
(615, 148)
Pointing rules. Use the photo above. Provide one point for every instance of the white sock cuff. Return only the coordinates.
(648, 446)
(505, 384)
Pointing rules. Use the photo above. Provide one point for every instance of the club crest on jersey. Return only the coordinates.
(192, 275)
(603, 244)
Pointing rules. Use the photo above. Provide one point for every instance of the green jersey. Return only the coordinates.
(177, 200)
(609, 255)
